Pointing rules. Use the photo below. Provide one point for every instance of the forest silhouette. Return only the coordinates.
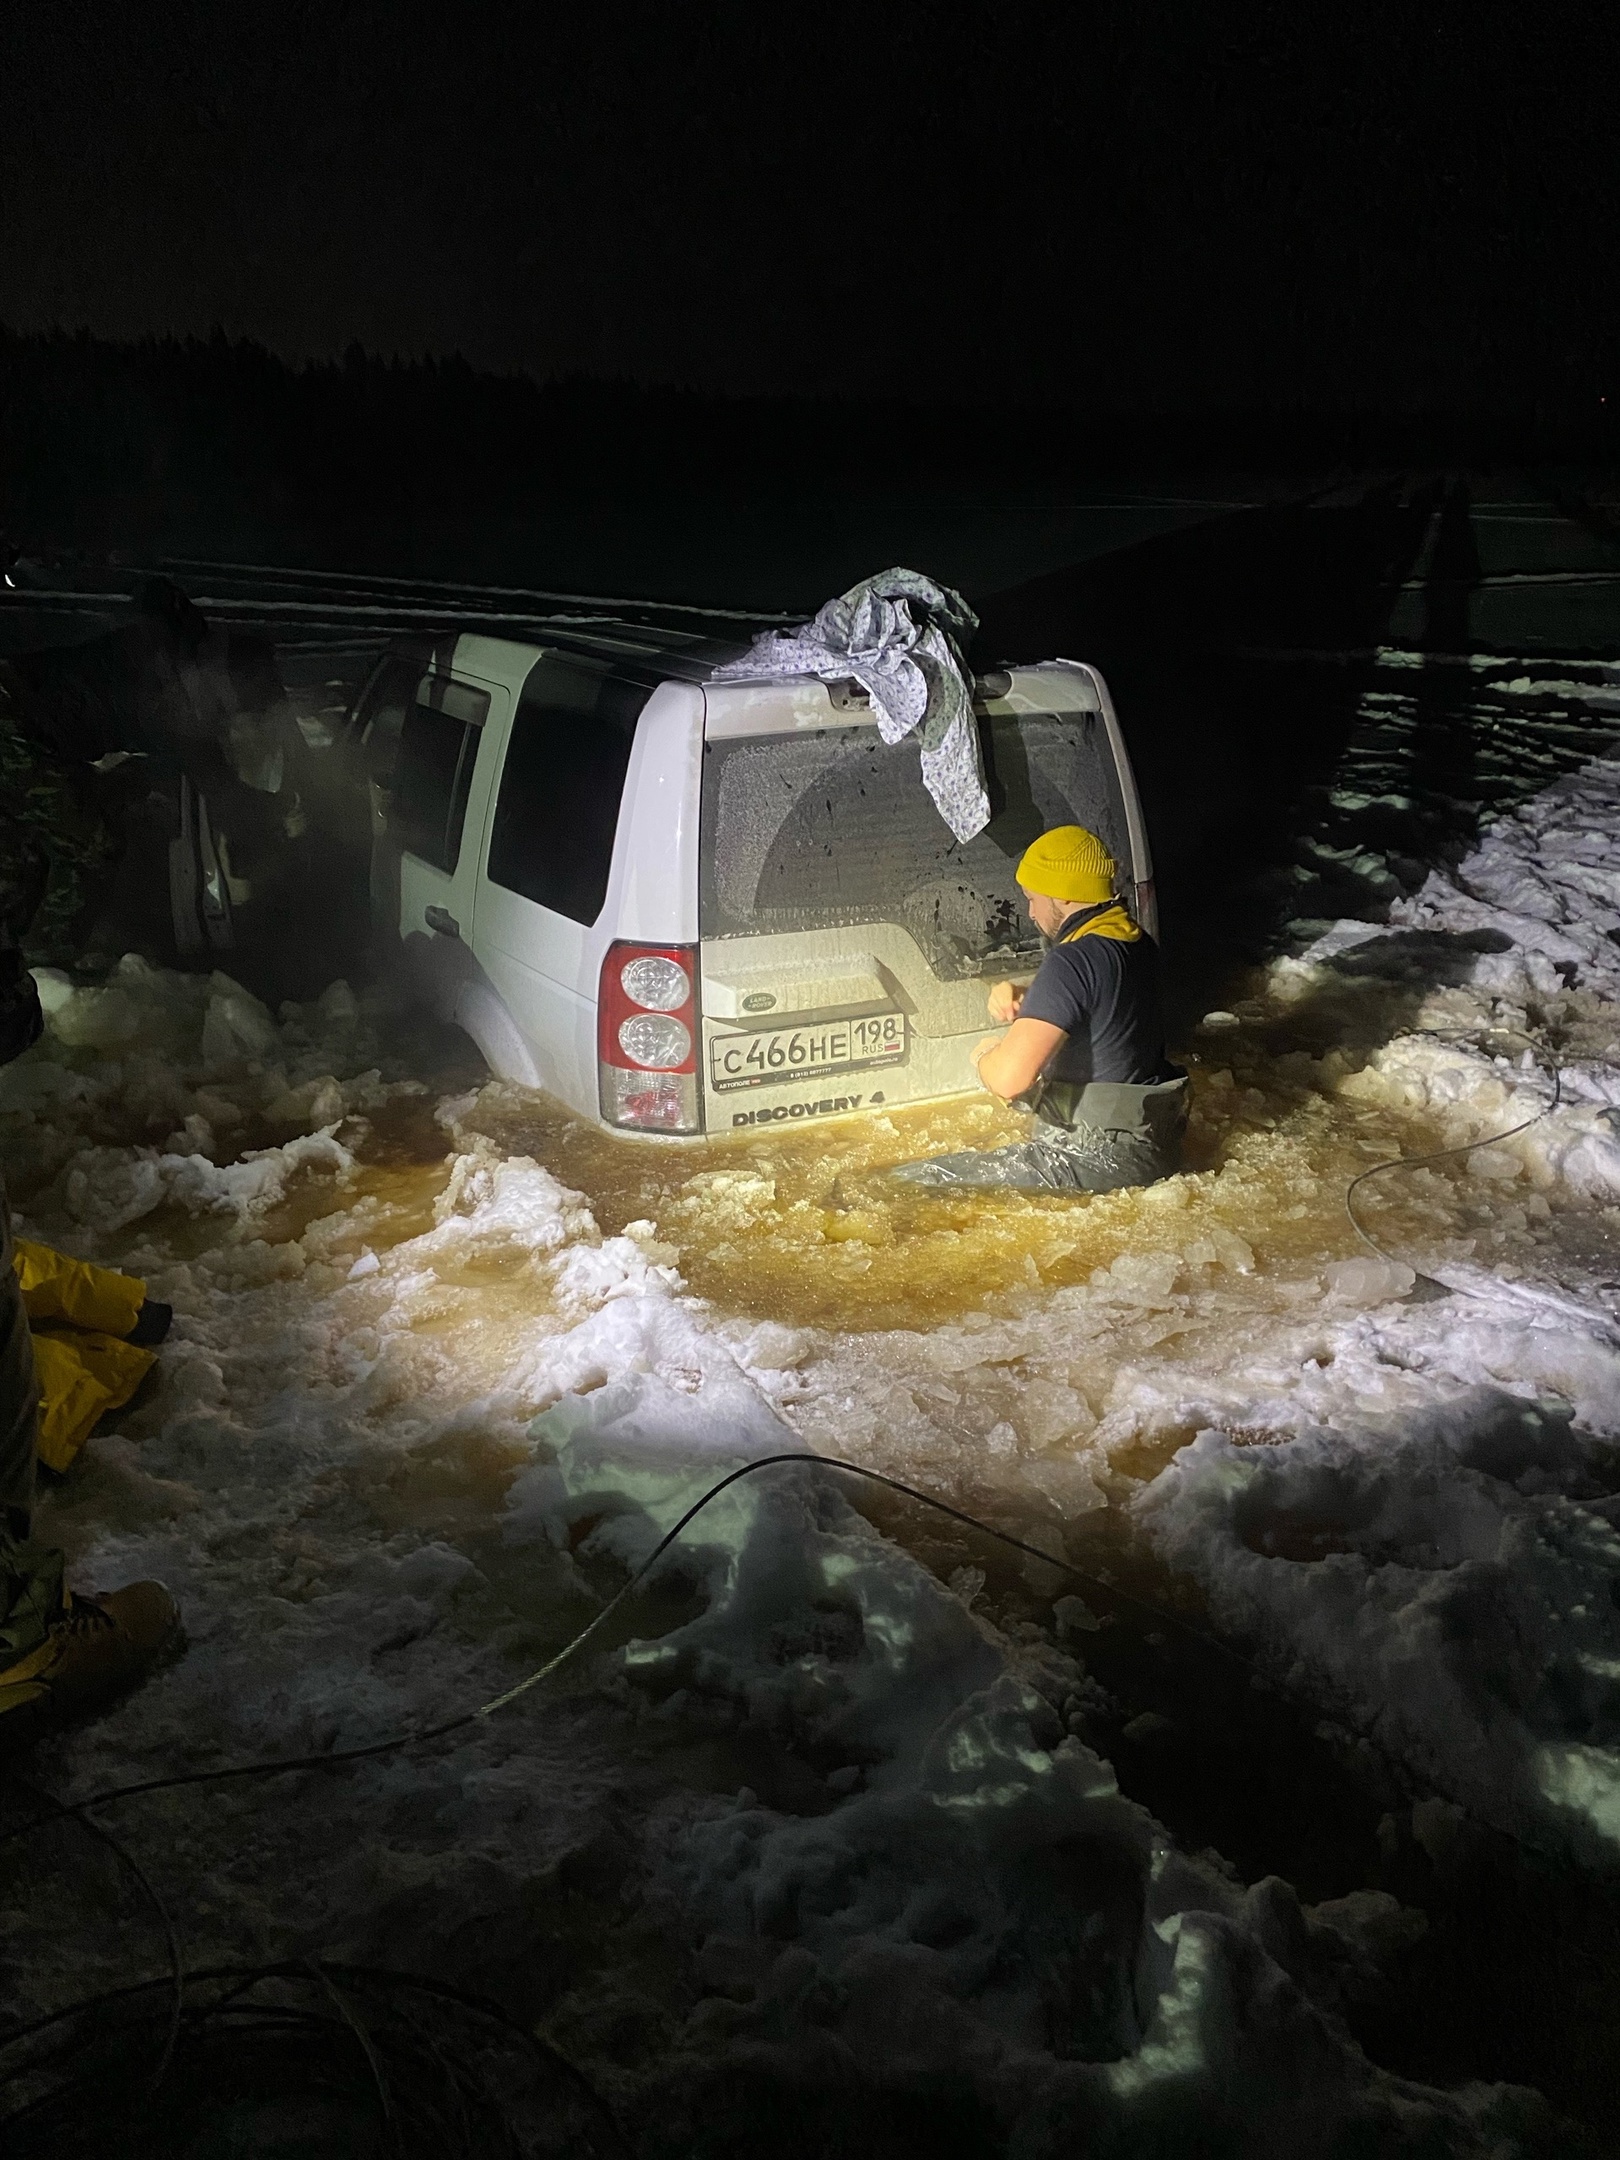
(218, 444)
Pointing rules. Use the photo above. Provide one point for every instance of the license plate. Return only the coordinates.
(803, 1053)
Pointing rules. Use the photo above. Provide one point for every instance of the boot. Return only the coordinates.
(96, 1649)
(152, 1324)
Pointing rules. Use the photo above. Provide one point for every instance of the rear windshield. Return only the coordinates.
(815, 831)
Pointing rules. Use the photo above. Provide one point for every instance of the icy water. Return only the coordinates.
(808, 1231)
(1036, 1360)
(385, 1270)
(807, 1234)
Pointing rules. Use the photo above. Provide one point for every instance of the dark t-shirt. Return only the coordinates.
(1104, 994)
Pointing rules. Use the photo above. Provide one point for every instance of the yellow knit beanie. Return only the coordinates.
(1068, 863)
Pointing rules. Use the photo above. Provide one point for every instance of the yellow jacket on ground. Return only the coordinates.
(77, 1315)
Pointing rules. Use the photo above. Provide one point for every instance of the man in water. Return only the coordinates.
(1084, 1044)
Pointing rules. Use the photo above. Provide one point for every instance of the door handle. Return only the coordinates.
(441, 919)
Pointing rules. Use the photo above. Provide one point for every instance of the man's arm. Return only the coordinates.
(1004, 1001)
(1008, 1064)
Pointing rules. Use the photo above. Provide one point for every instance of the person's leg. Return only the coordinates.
(1102, 1162)
(1026, 1166)
(60, 1655)
(1091, 1158)
(1125, 1135)
(30, 1578)
(55, 1286)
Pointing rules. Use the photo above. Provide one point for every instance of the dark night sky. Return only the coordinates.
(1162, 199)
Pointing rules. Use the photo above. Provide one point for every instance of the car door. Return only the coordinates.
(550, 850)
(369, 750)
(436, 802)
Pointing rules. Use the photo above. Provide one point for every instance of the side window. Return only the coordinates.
(558, 808)
(438, 747)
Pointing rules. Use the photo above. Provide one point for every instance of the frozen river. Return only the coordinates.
(855, 1811)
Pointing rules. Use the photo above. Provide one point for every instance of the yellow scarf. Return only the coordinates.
(1111, 922)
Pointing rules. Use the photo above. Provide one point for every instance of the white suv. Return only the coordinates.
(686, 907)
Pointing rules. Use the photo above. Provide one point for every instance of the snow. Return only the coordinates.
(1441, 1582)
(1444, 1581)
(917, 1929)
(417, 1420)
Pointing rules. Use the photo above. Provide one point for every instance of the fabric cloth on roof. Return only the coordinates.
(901, 637)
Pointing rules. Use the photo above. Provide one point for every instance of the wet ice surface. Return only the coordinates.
(445, 1362)
(1440, 741)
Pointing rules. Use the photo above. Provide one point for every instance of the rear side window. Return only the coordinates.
(558, 807)
(833, 828)
(433, 768)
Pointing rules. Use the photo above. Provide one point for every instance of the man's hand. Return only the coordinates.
(1004, 1003)
(1008, 1064)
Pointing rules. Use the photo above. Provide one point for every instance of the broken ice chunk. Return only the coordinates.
(1143, 1278)
(1069, 1486)
(236, 1025)
(1074, 1617)
(1369, 1281)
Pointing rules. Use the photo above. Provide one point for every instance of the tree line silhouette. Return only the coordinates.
(209, 443)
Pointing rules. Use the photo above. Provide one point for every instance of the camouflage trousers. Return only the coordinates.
(56, 847)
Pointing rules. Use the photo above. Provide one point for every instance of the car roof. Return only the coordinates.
(649, 654)
(644, 653)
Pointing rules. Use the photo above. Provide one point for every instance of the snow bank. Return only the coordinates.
(1540, 899)
(1441, 1575)
(1546, 878)
(1443, 1583)
(156, 1089)
(970, 1905)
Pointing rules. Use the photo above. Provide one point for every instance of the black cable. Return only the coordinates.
(126, 1859)
(337, 1758)
(327, 1975)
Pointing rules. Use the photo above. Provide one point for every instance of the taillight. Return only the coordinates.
(647, 1038)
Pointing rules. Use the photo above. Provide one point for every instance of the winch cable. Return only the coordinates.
(177, 1978)
(231, 2006)
(1548, 1063)
(335, 1758)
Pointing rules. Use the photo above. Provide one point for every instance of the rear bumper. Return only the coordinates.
(934, 1069)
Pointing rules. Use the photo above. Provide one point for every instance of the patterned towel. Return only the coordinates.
(900, 636)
